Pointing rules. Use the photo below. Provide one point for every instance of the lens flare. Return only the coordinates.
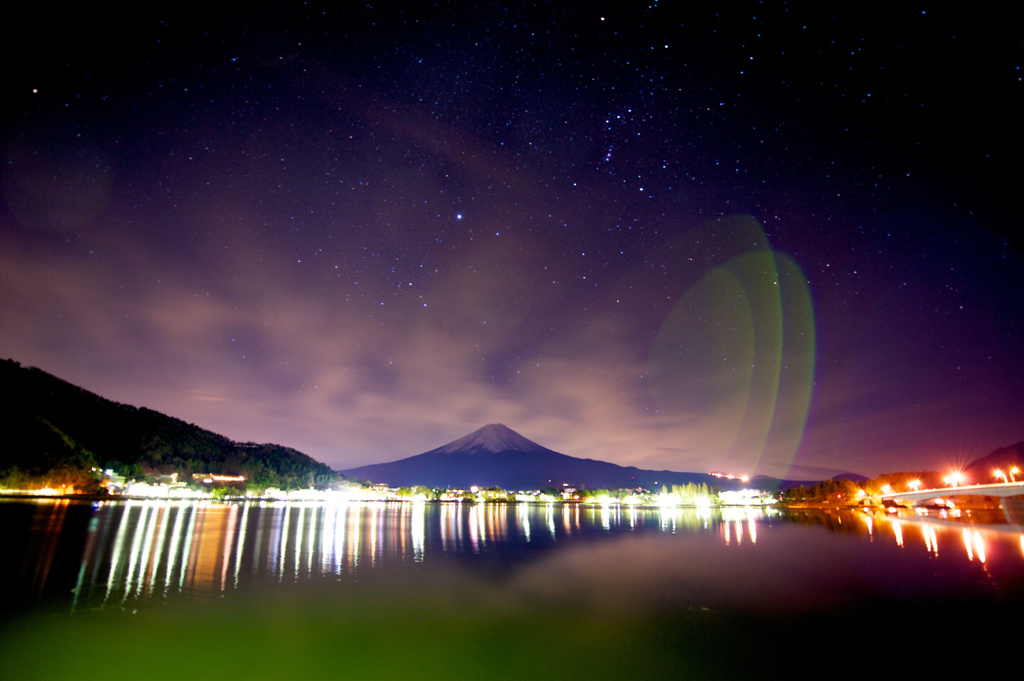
(733, 362)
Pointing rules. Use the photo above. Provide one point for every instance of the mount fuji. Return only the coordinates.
(496, 455)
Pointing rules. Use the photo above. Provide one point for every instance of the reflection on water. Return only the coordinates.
(47, 523)
(286, 590)
(137, 550)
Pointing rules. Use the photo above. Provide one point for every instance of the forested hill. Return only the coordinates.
(52, 427)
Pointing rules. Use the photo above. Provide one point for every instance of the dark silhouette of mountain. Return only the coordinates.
(852, 477)
(51, 425)
(1004, 458)
(496, 455)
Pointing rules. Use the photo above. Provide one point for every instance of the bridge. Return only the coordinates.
(1011, 493)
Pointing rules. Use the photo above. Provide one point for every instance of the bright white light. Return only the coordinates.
(667, 500)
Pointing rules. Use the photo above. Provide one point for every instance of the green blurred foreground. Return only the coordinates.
(421, 628)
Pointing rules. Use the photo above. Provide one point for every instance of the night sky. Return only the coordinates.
(765, 238)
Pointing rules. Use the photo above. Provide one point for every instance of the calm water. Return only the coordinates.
(389, 590)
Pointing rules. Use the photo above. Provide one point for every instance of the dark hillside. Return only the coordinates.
(51, 424)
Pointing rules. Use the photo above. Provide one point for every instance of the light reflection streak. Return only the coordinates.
(155, 540)
(399, 538)
(259, 536)
(146, 549)
(668, 519)
(241, 541)
(282, 537)
(54, 523)
(494, 525)
(298, 538)
(273, 540)
(173, 549)
(206, 559)
(90, 546)
(475, 534)
(967, 543)
(229, 536)
(739, 531)
(328, 556)
(188, 546)
(354, 518)
(734, 517)
(523, 521)
(570, 516)
(149, 539)
(311, 542)
(931, 540)
(117, 549)
(419, 531)
(138, 544)
(158, 547)
(134, 539)
(375, 529)
(451, 527)
(975, 539)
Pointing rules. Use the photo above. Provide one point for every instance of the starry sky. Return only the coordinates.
(761, 238)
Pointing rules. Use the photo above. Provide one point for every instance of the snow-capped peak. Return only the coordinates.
(494, 437)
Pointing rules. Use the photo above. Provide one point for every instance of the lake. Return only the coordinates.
(165, 589)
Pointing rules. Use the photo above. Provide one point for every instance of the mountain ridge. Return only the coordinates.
(497, 456)
(59, 427)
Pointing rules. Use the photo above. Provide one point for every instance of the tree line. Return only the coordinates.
(57, 434)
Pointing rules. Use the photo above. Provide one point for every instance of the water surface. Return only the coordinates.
(385, 590)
